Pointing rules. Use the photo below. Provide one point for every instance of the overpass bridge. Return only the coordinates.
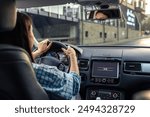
(54, 26)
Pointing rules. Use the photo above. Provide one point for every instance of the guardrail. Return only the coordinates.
(49, 14)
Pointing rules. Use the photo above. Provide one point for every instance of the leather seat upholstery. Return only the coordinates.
(17, 77)
(7, 15)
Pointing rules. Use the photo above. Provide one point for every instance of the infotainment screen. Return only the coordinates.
(105, 69)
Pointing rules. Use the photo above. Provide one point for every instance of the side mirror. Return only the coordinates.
(103, 14)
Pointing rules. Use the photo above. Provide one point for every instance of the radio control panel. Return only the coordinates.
(100, 94)
(104, 71)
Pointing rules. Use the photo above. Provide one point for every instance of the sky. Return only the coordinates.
(148, 7)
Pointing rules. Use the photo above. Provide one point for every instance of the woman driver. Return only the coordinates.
(65, 85)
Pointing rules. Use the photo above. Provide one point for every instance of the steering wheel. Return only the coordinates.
(52, 58)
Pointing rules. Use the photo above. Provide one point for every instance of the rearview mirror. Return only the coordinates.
(103, 14)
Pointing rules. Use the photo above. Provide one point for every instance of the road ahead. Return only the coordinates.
(139, 42)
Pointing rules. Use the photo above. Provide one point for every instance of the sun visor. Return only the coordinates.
(7, 15)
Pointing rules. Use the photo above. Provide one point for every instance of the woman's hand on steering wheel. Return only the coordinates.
(70, 52)
(43, 47)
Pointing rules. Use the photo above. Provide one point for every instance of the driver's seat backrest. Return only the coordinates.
(17, 77)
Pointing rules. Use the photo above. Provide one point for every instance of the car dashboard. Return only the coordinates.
(113, 73)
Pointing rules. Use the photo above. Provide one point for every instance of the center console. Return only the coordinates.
(104, 72)
(103, 94)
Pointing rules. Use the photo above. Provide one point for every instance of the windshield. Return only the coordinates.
(68, 23)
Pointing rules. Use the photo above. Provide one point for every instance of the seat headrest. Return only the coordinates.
(7, 15)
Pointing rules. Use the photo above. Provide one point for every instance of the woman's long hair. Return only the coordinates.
(20, 35)
(22, 29)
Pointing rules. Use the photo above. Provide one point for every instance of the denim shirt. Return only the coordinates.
(55, 81)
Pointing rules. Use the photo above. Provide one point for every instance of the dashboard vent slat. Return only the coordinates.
(132, 67)
(83, 64)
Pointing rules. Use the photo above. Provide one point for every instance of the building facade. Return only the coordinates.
(82, 31)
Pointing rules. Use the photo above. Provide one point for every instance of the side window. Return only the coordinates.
(105, 35)
(115, 35)
(101, 34)
(86, 33)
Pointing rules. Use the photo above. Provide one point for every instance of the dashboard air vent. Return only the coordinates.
(132, 67)
(83, 64)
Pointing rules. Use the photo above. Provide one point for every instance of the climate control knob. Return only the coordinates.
(93, 93)
(115, 95)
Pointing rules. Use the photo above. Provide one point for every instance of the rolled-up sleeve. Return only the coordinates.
(55, 81)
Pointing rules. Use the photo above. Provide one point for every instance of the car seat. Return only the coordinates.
(17, 77)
